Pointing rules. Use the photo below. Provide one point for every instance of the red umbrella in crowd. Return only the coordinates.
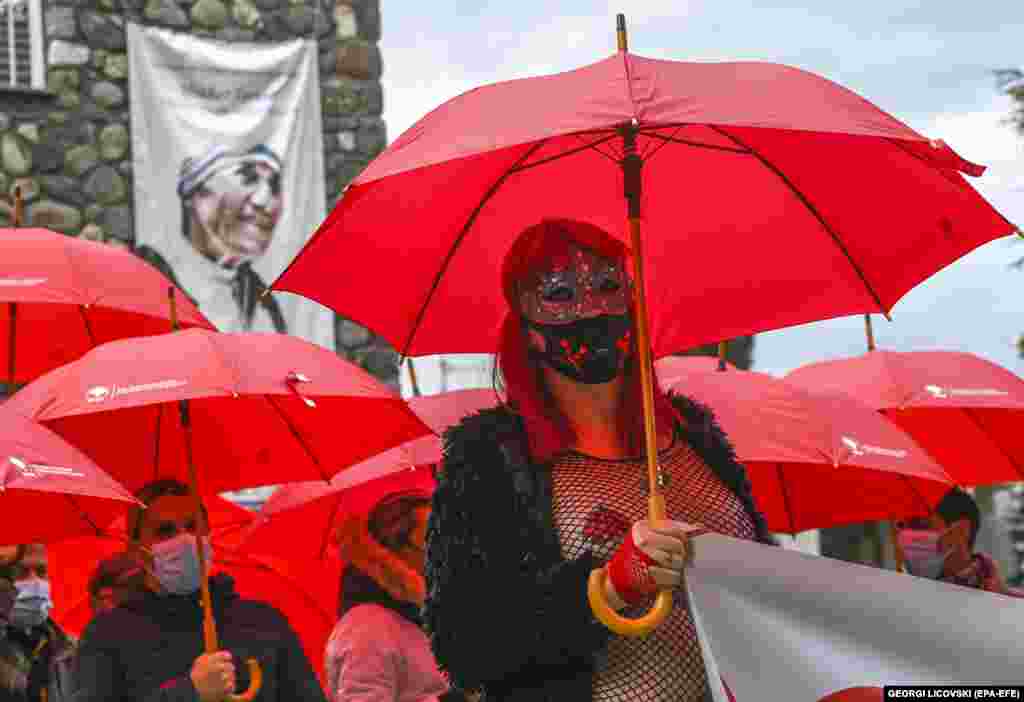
(759, 187)
(965, 411)
(802, 450)
(314, 509)
(50, 490)
(264, 409)
(249, 409)
(73, 562)
(61, 296)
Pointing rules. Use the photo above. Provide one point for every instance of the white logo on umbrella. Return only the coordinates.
(858, 449)
(20, 282)
(942, 393)
(99, 393)
(36, 470)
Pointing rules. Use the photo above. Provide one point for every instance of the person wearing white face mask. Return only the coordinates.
(36, 656)
(150, 648)
(941, 547)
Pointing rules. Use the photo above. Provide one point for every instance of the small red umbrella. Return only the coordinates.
(815, 460)
(61, 296)
(965, 411)
(50, 490)
(72, 562)
(442, 411)
(264, 409)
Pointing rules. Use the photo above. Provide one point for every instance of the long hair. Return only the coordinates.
(547, 427)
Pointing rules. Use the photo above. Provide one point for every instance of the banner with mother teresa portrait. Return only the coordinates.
(228, 167)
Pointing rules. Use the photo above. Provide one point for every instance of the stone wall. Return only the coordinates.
(70, 148)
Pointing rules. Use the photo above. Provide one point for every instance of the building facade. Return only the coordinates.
(65, 122)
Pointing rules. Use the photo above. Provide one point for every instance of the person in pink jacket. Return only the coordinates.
(378, 651)
(941, 547)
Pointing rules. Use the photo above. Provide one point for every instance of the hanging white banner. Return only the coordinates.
(787, 625)
(227, 152)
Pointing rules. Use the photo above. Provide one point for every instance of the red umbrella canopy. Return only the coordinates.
(815, 460)
(73, 562)
(41, 474)
(965, 411)
(751, 172)
(61, 296)
(265, 409)
(441, 411)
(300, 518)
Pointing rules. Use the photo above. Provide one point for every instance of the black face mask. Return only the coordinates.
(590, 351)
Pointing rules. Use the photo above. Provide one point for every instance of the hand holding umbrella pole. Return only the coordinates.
(631, 171)
(210, 641)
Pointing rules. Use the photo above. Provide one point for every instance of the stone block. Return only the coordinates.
(106, 186)
(15, 155)
(65, 189)
(60, 80)
(47, 157)
(55, 216)
(107, 95)
(210, 14)
(346, 26)
(81, 159)
(61, 23)
(247, 15)
(358, 59)
(114, 141)
(117, 222)
(368, 20)
(166, 12)
(102, 30)
(92, 232)
(64, 53)
(30, 131)
(115, 66)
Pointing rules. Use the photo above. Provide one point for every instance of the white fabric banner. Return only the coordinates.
(228, 166)
(788, 625)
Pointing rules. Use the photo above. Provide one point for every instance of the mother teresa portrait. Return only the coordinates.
(231, 202)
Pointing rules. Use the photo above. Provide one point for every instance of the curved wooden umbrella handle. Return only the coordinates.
(624, 626)
(255, 683)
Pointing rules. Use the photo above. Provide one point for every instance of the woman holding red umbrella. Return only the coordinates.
(535, 495)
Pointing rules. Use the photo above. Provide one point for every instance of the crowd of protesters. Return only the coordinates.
(477, 588)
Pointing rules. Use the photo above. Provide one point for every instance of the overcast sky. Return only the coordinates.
(927, 63)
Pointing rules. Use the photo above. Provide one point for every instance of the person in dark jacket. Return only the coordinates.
(536, 494)
(150, 648)
(36, 656)
(116, 579)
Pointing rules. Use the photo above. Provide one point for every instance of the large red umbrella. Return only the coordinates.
(759, 188)
(965, 411)
(815, 459)
(50, 490)
(771, 197)
(61, 296)
(265, 409)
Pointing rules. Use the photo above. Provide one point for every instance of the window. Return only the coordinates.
(21, 44)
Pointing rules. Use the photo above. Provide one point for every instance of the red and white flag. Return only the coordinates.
(780, 624)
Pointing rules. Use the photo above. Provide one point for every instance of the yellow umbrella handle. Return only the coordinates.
(624, 626)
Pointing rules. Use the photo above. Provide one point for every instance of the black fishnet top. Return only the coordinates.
(596, 500)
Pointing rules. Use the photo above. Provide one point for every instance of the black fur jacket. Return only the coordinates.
(506, 613)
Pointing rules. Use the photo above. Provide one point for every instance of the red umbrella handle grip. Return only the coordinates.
(621, 625)
(255, 683)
